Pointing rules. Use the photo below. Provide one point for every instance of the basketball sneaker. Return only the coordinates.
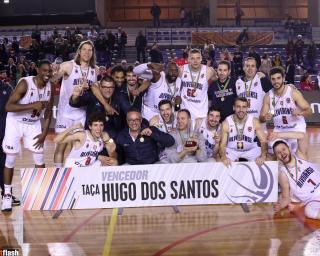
(7, 203)
(15, 201)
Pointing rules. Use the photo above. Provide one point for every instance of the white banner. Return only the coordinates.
(148, 185)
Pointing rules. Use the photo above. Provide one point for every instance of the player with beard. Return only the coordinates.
(128, 98)
(238, 132)
(164, 86)
(209, 127)
(31, 99)
(252, 86)
(298, 176)
(165, 122)
(287, 108)
(222, 92)
(194, 85)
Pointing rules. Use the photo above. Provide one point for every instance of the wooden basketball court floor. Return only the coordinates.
(194, 230)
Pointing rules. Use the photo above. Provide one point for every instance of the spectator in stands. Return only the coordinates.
(299, 49)
(238, 13)
(290, 70)
(155, 54)
(3, 53)
(276, 61)
(15, 45)
(243, 37)
(289, 25)
(11, 71)
(237, 60)
(141, 45)
(121, 39)
(102, 72)
(92, 34)
(290, 49)
(306, 83)
(311, 57)
(155, 12)
(12, 54)
(21, 72)
(266, 64)
(139, 143)
(32, 69)
(101, 45)
(49, 49)
(182, 16)
(36, 34)
(255, 55)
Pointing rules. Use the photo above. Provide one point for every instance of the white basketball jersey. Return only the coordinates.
(67, 87)
(167, 128)
(253, 91)
(304, 183)
(282, 107)
(195, 97)
(208, 136)
(247, 141)
(161, 90)
(33, 94)
(86, 155)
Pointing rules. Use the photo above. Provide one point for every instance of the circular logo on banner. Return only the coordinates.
(248, 185)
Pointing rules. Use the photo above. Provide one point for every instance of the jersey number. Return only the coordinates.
(284, 120)
(312, 182)
(35, 113)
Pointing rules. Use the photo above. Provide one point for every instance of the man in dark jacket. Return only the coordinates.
(87, 99)
(155, 12)
(139, 144)
(141, 45)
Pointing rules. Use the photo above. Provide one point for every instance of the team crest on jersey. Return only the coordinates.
(255, 84)
(249, 128)
(281, 103)
(288, 100)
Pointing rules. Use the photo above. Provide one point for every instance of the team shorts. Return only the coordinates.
(63, 123)
(250, 154)
(15, 131)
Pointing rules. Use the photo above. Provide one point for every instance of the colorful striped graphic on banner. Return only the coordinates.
(46, 189)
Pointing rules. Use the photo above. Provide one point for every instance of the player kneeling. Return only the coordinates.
(88, 144)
